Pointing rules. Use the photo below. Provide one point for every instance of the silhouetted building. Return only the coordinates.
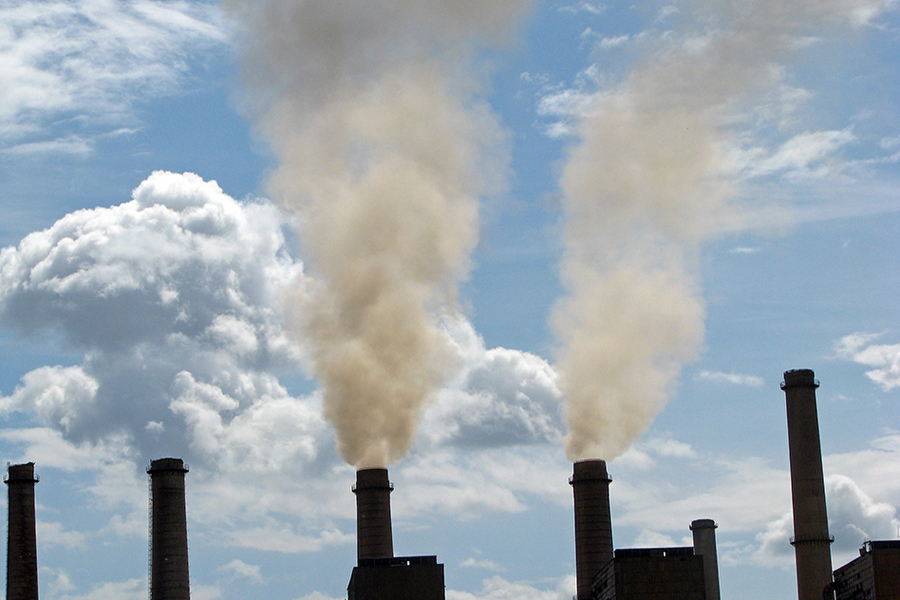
(397, 578)
(379, 575)
(874, 575)
(811, 541)
(169, 579)
(21, 548)
(651, 574)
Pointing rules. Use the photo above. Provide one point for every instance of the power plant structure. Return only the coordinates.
(21, 538)
(378, 574)
(602, 572)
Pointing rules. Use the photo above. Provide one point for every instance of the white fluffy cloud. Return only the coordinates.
(500, 397)
(884, 357)
(175, 287)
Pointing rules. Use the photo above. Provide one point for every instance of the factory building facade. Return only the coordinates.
(874, 575)
(651, 574)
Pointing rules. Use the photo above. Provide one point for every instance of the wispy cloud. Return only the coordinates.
(729, 378)
(475, 563)
(239, 568)
(83, 65)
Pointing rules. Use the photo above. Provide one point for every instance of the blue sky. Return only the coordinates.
(601, 229)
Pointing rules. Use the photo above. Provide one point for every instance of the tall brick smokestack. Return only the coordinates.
(373, 514)
(21, 549)
(169, 578)
(593, 525)
(811, 540)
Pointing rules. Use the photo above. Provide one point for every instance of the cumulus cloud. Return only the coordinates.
(95, 60)
(499, 397)
(854, 517)
(173, 300)
(178, 284)
(886, 357)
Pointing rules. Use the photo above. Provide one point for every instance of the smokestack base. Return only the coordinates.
(374, 538)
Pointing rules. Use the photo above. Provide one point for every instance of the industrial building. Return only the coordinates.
(378, 574)
(684, 573)
(602, 573)
(874, 575)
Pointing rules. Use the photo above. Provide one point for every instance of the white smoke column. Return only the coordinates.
(641, 191)
(384, 149)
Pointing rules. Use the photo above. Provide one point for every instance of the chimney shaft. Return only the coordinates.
(811, 540)
(593, 525)
(21, 549)
(704, 531)
(373, 514)
(169, 578)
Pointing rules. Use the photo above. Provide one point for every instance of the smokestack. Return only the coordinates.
(705, 545)
(593, 526)
(168, 531)
(373, 514)
(811, 540)
(21, 549)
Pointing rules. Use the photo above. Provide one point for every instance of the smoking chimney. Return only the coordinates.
(21, 549)
(593, 526)
(168, 531)
(373, 514)
(811, 540)
(704, 531)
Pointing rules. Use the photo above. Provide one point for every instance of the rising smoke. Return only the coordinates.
(647, 183)
(384, 148)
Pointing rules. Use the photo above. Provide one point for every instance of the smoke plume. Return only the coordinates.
(384, 148)
(646, 184)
